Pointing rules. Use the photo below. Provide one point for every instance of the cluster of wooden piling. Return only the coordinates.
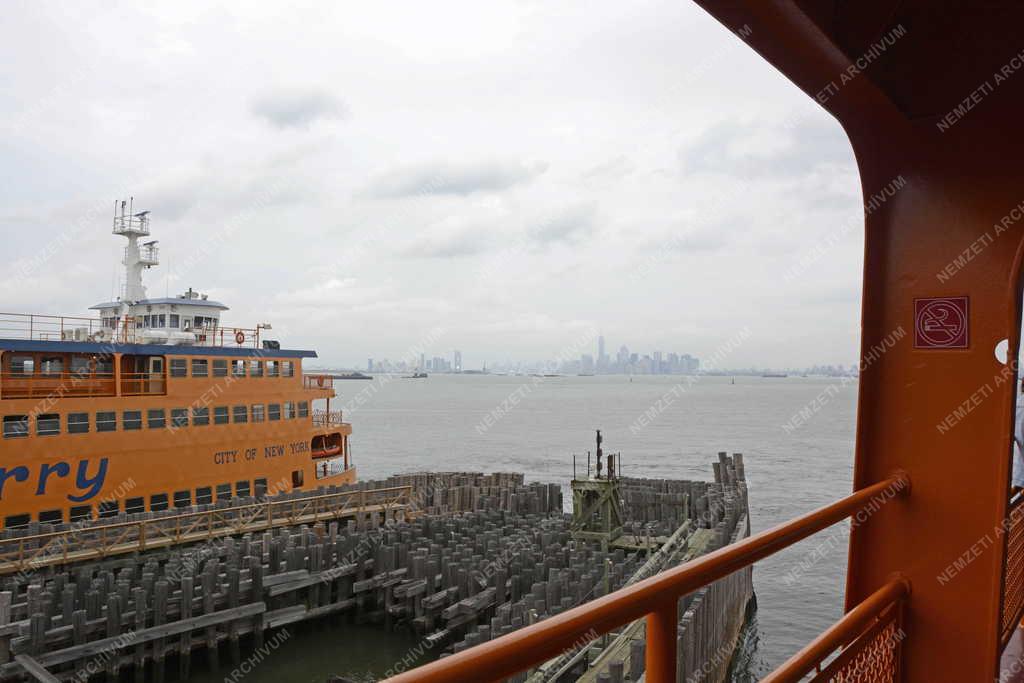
(140, 611)
(707, 516)
(449, 492)
(470, 558)
(536, 581)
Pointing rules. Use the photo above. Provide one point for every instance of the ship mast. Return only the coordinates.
(137, 257)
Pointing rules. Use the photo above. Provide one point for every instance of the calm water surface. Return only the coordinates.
(404, 425)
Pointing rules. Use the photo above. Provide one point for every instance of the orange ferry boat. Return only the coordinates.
(155, 405)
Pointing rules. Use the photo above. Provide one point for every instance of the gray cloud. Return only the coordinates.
(706, 239)
(758, 150)
(298, 108)
(450, 244)
(569, 225)
(452, 178)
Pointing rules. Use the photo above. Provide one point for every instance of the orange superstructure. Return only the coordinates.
(156, 406)
(204, 425)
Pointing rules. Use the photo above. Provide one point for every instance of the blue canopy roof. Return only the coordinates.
(166, 300)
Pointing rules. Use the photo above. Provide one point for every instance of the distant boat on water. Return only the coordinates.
(774, 374)
(353, 375)
(418, 375)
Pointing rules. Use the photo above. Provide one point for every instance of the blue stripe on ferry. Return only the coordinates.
(148, 349)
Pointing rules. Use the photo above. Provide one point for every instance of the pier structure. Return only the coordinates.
(465, 558)
(597, 502)
(698, 517)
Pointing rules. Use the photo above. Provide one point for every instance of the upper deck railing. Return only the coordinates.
(325, 382)
(870, 635)
(89, 541)
(325, 418)
(28, 326)
(81, 384)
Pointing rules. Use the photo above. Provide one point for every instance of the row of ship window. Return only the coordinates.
(201, 367)
(204, 495)
(17, 426)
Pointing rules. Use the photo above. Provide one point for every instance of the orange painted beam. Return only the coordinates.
(530, 646)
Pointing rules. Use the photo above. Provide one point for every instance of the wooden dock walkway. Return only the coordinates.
(98, 540)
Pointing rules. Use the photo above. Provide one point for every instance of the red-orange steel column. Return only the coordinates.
(661, 644)
(934, 123)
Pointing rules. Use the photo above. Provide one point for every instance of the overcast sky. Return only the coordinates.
(513, 174)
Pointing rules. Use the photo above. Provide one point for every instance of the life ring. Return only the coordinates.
(320, 381)
(239, 337)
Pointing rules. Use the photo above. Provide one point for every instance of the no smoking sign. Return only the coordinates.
(942, 323)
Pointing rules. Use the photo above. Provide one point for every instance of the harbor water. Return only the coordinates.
(796, 435)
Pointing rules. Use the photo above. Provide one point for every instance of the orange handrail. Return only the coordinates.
(840, 634)
(656, 598)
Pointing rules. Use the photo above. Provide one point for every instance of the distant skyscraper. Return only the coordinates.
(602, 359)
(457, 361)
(587, 363)
(369, 364)
(423, 361)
